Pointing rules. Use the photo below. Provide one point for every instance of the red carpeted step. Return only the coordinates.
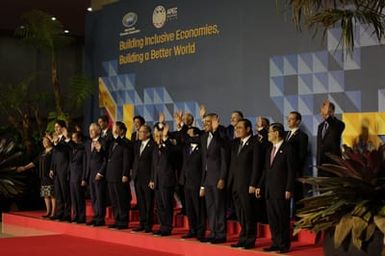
(173, 244)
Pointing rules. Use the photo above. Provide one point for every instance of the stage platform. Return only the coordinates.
(303, 244)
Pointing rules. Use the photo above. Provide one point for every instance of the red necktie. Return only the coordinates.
(272, 155)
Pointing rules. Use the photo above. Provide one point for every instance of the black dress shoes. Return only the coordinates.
(237, 245)
(90, 223)
(189, 235)
(218, 241)
(157, 233)
(99, 224)
(55, 217)
(205, 239)
(165, 233)
(249, 246)
(284, 250)
(113, 226)
(138, 229)
(120, 227)
(271, 249)
(147, 230)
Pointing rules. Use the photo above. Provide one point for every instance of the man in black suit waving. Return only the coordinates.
(141, 174)
(299, 143)
(277, 183)
(95, 174)
(119, 164)
(244, 167)
(328, 135)
(214, 167)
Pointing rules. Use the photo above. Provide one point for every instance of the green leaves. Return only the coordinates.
(326, 14)
(352, 202)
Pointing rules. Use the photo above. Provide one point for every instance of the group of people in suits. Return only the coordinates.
(256, 173)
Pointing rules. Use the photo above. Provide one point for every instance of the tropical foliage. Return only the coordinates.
(11, 183)
(325, 14)
(352, 202)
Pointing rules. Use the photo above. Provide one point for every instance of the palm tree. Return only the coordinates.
(325, 14)
(47, 34)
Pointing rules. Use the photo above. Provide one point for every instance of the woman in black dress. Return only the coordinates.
(43, 164)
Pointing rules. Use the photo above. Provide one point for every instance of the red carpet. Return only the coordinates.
(64, 245)
(303, 245)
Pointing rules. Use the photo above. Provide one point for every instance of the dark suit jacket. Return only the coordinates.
(78, 162)
(141, 170)
(280, 176)
(120, 158)
(163, 170)
(214, 159)
(96, 161)
(299, 143)
(60, 159)
(133, 136)
(191, 175)
(331, 143)
(246, 165)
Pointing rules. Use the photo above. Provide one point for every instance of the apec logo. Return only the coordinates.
(160, 15)
(129, 20)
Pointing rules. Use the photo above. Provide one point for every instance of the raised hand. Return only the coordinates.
(202, 110)
(162, 118)
(178, 118)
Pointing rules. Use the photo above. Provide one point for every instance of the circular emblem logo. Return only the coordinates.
(130, 19)
(159, 16)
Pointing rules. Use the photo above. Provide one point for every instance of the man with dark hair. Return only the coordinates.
(141, 175)
(329, 135)
(60, 172)
(244, 167)
(277, 186)
(163, 178)
(261, 128)
(138, 122)
(214, 163)
(119, 164)
(95, 174)
(299, 143)
(106, 133)
(190, 179)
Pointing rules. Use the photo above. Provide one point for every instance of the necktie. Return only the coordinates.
(209, 138)
(114, 146)
(324, 129)
(288, 136)
(191, 150)
(272, 155)
(141, 148)
(92, 145)
(240, 146)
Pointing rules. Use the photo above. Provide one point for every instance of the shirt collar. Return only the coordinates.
(244, 140)
(278, 145)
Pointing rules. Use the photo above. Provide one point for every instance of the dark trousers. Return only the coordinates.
(164, 207)
(278, 215)
(78, 201)
(145, 202)
(245, 206)
(195, 209)
(63, 198)
(215, 206)
(98, 199)
(120, 198)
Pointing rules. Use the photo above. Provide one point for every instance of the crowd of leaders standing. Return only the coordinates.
(219, 171)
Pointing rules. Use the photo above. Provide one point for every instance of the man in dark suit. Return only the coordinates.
(299, 143)
(119, 164)
(215, 167)
(138, 122)
(95, 174)
(60, 172)
(163, 178)
(245, 165)
(106, 132)
(77, 170)
(328, 135)
(277, 184)
(141, 174)
(190, 179)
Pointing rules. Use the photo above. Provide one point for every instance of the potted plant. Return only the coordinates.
(350, 207)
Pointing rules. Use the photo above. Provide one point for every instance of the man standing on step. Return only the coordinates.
(277, 186)
(141, 174)
(95, 174)
(245, 165)
(119, 164)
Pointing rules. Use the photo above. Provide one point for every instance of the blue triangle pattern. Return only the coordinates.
(305, 63)
(306, 104)
(290, 65)
(307, 122)
(290, 104)
(276, 86)
(320, 61)
(276, 66)
(381, 100)
(320, 83)
(278, 101)
(138, 100)
(336, 81)
(355, 98)
(148, 96)
(305, 84)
